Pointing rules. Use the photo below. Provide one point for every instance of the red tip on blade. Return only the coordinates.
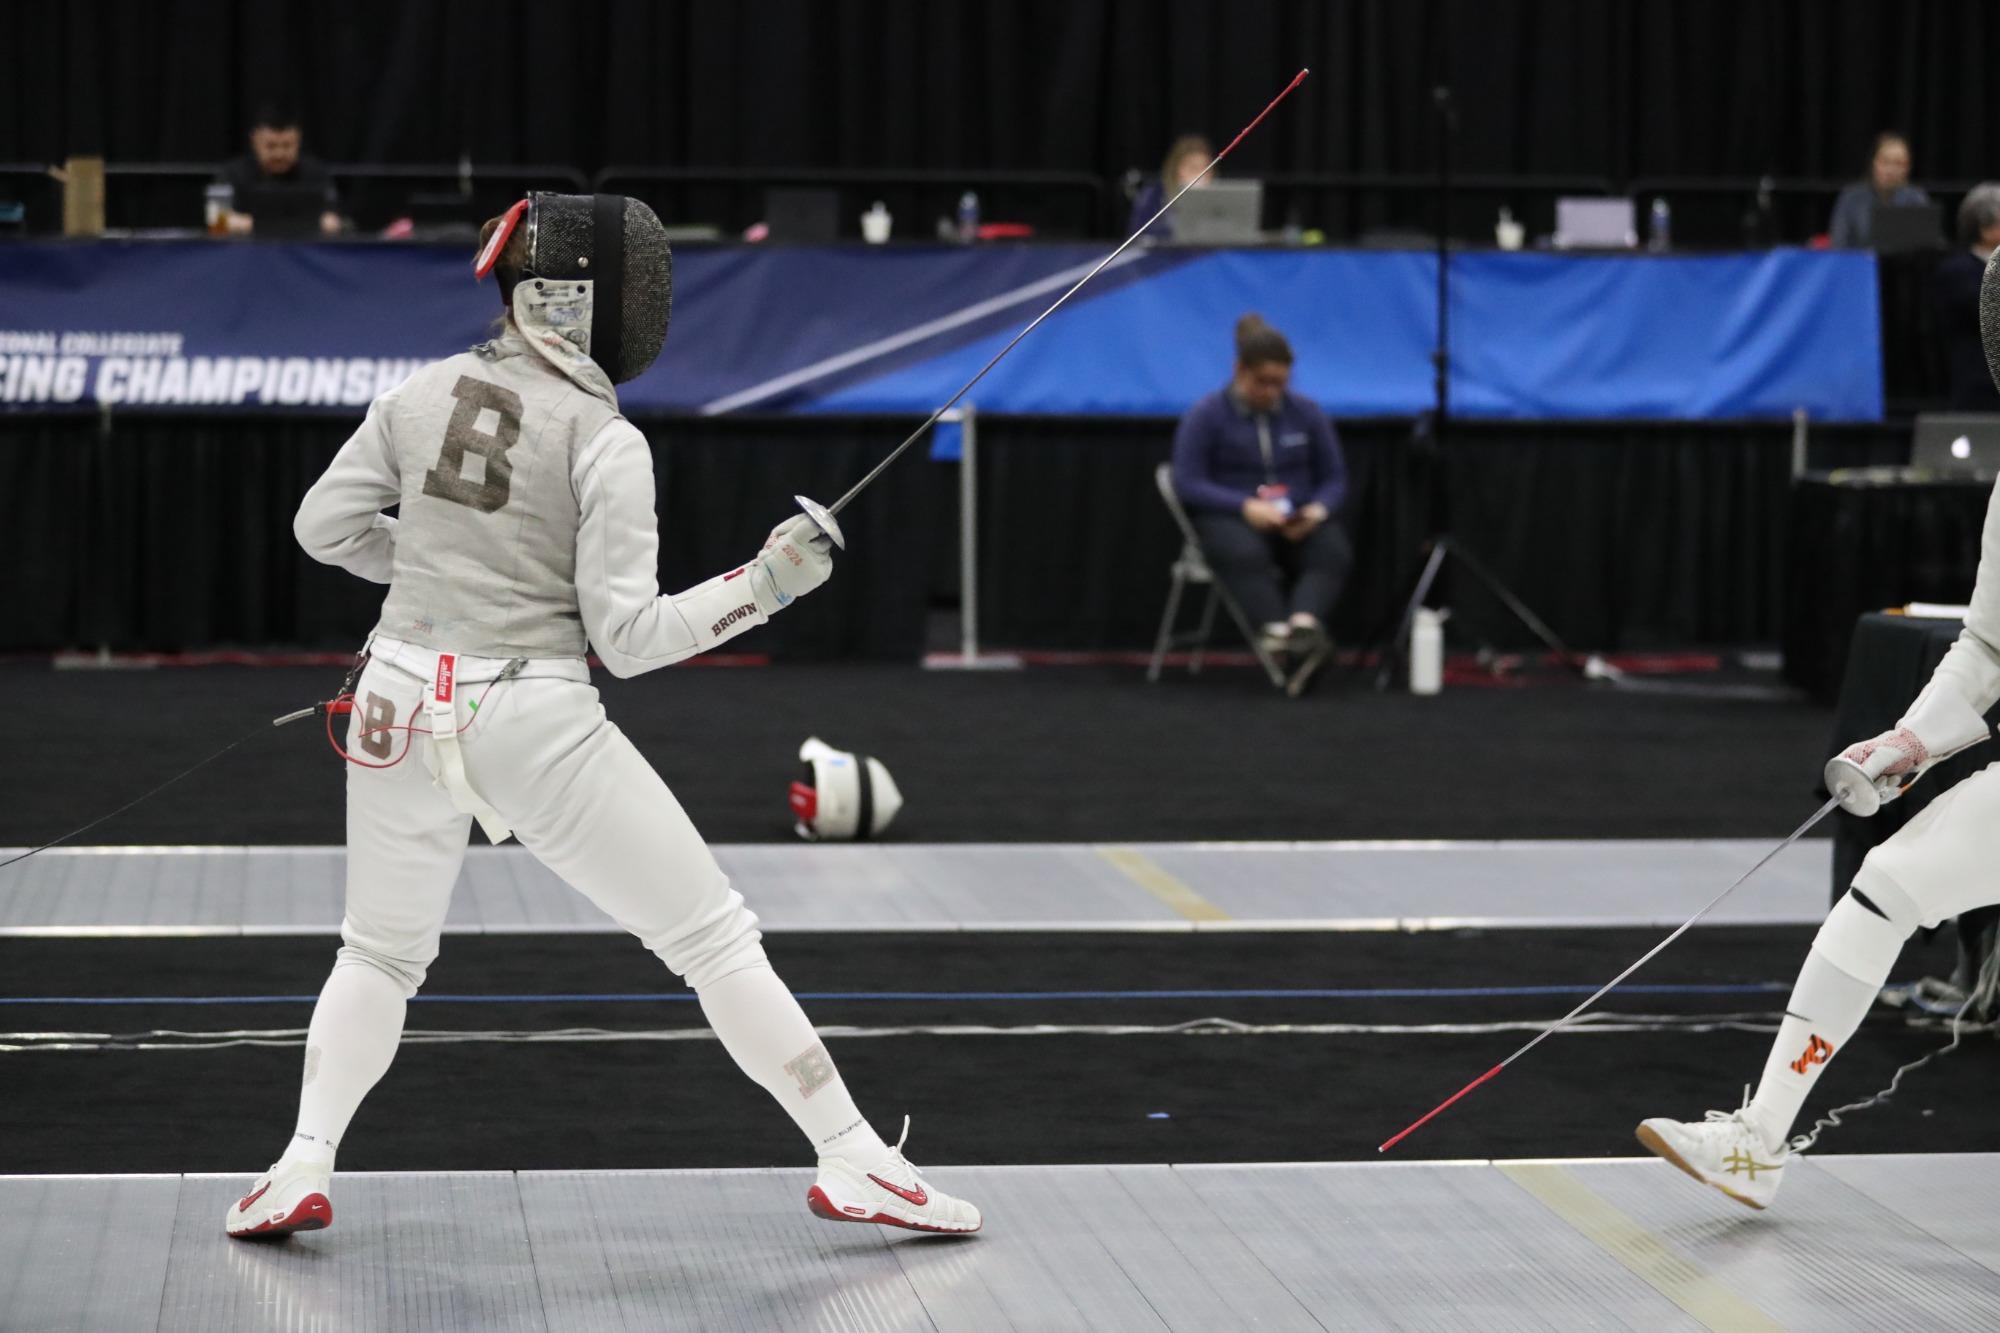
(1297, 79)
(1433, 1114)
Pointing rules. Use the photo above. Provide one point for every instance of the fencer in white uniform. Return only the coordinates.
(527, 527)
(1936, 867)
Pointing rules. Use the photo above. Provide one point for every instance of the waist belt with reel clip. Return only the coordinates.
(448, 761)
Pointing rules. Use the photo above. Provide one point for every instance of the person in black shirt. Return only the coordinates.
(1888, 182)
(1955, 300)
(277, 190)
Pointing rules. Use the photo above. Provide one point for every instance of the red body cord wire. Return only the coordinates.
(342, 705)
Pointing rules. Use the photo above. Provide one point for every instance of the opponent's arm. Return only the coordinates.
(1949, 714)
(340, 522)
(632, 627)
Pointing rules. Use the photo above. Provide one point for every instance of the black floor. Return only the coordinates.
(1015, 1098)
(1043, 755)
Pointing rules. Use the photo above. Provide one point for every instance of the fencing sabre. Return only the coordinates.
(826, 516)
(1612, 984)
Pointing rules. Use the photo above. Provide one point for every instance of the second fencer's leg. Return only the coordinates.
(1932, 869)
(1846, 969)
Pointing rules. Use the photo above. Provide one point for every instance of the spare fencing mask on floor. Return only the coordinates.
(842, 796)
(599, 274)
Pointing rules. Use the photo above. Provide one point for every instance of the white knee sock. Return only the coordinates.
(1850, 960)
(771, 1040)
(354, 1033)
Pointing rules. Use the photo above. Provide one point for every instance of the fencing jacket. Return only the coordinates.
(525, 523)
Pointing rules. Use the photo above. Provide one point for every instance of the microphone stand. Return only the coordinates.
(1441, 544)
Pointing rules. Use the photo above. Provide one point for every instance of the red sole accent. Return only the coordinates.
(314, 1213)
(823, 1207)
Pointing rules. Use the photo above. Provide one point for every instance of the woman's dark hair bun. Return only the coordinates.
(1258, 344)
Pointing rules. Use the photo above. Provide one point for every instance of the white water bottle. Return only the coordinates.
(1426, 652)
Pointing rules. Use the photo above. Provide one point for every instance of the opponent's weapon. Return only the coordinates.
(826, 516)
(1613, 984)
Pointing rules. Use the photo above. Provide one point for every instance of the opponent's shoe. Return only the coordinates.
(289, 1197)
(892, 1193)
(1725, 1151)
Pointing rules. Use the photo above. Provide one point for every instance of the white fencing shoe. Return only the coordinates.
(289, 1197)
(892, 1194)
(1725, 1151)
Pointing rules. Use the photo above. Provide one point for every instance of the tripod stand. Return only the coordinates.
(1441, 543)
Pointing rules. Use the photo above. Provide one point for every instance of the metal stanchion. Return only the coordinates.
(968, 657)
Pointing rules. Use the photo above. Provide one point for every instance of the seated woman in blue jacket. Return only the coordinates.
(1260, 472)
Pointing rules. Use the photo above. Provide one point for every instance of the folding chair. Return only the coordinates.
(1191, 566)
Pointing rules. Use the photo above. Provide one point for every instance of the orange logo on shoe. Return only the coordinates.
(1817, 1052)
(916, 1197)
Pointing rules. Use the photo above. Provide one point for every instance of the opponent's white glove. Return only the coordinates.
(797, 557)
(1869, 774)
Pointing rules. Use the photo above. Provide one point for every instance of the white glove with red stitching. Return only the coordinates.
(1864, 776)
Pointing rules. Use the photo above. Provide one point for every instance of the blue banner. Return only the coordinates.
(325, 327)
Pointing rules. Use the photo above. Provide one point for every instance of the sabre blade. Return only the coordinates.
(1618, 980)
(838, 505)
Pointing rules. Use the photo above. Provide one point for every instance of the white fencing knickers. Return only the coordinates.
(576, 793)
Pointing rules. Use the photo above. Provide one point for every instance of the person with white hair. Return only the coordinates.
(1955, 300)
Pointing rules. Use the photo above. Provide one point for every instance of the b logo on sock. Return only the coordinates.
(1817, 1052)
(813, 1069)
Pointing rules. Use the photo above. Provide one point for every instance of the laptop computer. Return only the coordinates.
(1221, 213)
(802, 216)
(1595, 223)
(1959, 443)
(283, 212)
(1901, 228)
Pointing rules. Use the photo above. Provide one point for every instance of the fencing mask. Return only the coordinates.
(598, 272)
(1989, 316)
(842, 796)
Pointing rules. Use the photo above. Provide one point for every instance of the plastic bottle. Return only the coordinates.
(1660, 226)
(217, 200)
(1426, 652)
(968, 217)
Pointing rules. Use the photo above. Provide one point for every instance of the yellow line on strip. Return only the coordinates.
(1668, 1272)
(1141, 870)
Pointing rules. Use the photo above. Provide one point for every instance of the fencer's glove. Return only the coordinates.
(1868, 774)
(797, 557)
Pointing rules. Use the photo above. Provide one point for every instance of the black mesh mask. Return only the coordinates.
(618, 246)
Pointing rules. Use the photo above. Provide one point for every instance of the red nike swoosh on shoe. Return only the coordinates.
(916, 1197)
(252, 1198)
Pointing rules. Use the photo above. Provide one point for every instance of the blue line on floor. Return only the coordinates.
(1383, 993)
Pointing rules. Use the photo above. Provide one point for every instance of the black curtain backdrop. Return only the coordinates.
(173, 533)
(1620, 535)
(1617, 88)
